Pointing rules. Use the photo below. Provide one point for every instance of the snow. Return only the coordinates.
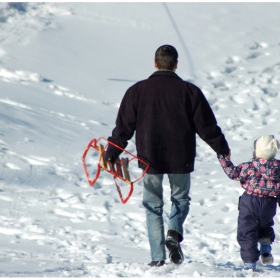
(64, 68)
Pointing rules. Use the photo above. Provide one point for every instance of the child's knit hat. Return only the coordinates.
(266, 147)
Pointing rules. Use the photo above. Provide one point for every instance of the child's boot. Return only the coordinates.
(265, 251)
(249, 265)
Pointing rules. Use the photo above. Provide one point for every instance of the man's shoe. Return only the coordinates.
(175, 252)
(267, 258)
(156, 263)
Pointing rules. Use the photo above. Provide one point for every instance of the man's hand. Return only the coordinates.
(112, 153)
(227, 157)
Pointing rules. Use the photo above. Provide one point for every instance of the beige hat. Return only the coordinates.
(266, 147)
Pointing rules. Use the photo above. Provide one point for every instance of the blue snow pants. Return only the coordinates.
(255, 221)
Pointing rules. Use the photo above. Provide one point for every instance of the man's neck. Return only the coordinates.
(165, 70)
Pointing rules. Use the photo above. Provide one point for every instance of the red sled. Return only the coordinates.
(120, 169)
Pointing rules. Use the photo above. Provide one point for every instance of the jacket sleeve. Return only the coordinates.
(126, 119)
(233, 172)
(205, 123)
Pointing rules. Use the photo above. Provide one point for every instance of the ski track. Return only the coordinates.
(68, 206)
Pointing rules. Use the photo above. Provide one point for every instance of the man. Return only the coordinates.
(166, 113)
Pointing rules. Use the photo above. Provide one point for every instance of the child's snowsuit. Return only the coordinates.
(260, 179)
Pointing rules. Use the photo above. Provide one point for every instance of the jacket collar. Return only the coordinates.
(164, 73)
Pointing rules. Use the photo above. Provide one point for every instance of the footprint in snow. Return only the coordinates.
(259, 45)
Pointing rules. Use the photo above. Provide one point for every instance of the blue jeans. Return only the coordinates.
(153, 202)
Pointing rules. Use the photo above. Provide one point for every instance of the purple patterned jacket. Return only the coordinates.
(258, 177)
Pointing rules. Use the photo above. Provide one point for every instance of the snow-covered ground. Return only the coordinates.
(64, 68)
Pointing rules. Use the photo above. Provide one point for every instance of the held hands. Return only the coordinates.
(227, 157)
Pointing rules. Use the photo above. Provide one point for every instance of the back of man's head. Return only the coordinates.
(166, 57)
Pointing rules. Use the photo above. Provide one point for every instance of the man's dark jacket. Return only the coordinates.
(166, 113)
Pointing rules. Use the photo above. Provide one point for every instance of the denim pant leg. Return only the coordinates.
(153, 202)
(180, 188)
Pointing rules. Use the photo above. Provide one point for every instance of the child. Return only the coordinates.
(260, 179)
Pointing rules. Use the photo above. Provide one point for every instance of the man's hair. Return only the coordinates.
(166, 57)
